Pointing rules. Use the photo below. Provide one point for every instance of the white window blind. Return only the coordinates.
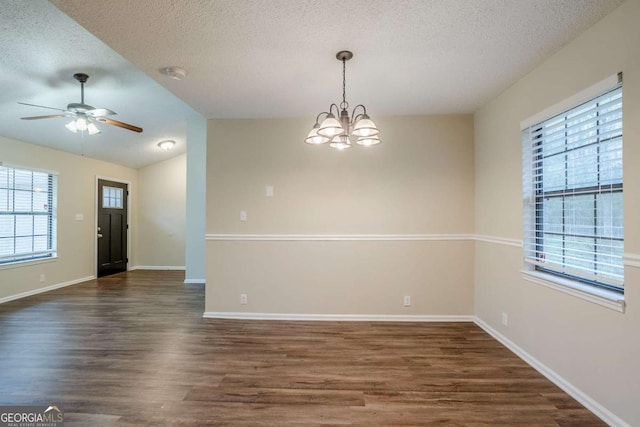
(27, 214)
(573, 192)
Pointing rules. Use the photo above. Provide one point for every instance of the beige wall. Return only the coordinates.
(418, 182)
(161, 213)
(76, 195)
(592, 347)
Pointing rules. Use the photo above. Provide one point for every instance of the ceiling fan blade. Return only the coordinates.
(40, 106)
(53, 116)
(101, 112)
(119, 124)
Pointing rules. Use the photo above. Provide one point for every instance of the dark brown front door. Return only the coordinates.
(112, 227)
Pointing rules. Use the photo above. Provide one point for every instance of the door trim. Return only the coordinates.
(95, 220)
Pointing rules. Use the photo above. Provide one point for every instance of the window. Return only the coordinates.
(27, 215)
(573, 192)
(112, 197)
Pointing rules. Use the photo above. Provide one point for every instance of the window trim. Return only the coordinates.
(28, 262)
(577, 99)
(604, 297)
(53, 220)
(610, 298)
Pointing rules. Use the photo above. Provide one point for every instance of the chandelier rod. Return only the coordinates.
(344, 84)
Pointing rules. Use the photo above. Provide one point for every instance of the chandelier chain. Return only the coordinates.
(344, 83)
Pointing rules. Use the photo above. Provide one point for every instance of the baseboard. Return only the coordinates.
(157, 267)
(195, 281)
(45, 289)
(600, 411)
(337, 317)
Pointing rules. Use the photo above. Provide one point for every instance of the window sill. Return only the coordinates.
(19, 264)
(603, 297)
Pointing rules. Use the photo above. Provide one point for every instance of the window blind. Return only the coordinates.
(27, 214)
(572, 182)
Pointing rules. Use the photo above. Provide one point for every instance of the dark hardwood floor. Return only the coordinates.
(132, 349)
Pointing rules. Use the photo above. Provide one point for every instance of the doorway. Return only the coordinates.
(112, 227)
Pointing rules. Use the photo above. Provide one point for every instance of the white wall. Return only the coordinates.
(196, 200)
(161, 214)
(592, 347)
(418, 183)
(76, 195)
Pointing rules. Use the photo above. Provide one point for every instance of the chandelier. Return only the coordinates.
(338, 131)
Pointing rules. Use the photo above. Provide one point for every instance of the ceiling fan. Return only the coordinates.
(84, 116)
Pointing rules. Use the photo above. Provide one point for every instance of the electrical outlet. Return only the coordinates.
(243, 215)
(42, 277)
(243, 299)
(505, 319)
(269, 191)
(407, 301)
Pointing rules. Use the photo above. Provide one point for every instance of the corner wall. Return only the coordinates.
(195, 257)
(161, 214)
(592, 347)
(76, 195)
(346, 233)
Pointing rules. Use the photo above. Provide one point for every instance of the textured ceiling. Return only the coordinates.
(276, 58)
(263, 58)
(40, 50)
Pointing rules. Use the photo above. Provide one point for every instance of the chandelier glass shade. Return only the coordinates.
(340, 129)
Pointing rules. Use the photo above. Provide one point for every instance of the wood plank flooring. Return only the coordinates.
(133, 350)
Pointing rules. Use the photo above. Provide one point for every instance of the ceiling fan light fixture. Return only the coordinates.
(81, 124)
(84, 115)
(72, 126)
(174, 72)
(93, 129)
(167, 144)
